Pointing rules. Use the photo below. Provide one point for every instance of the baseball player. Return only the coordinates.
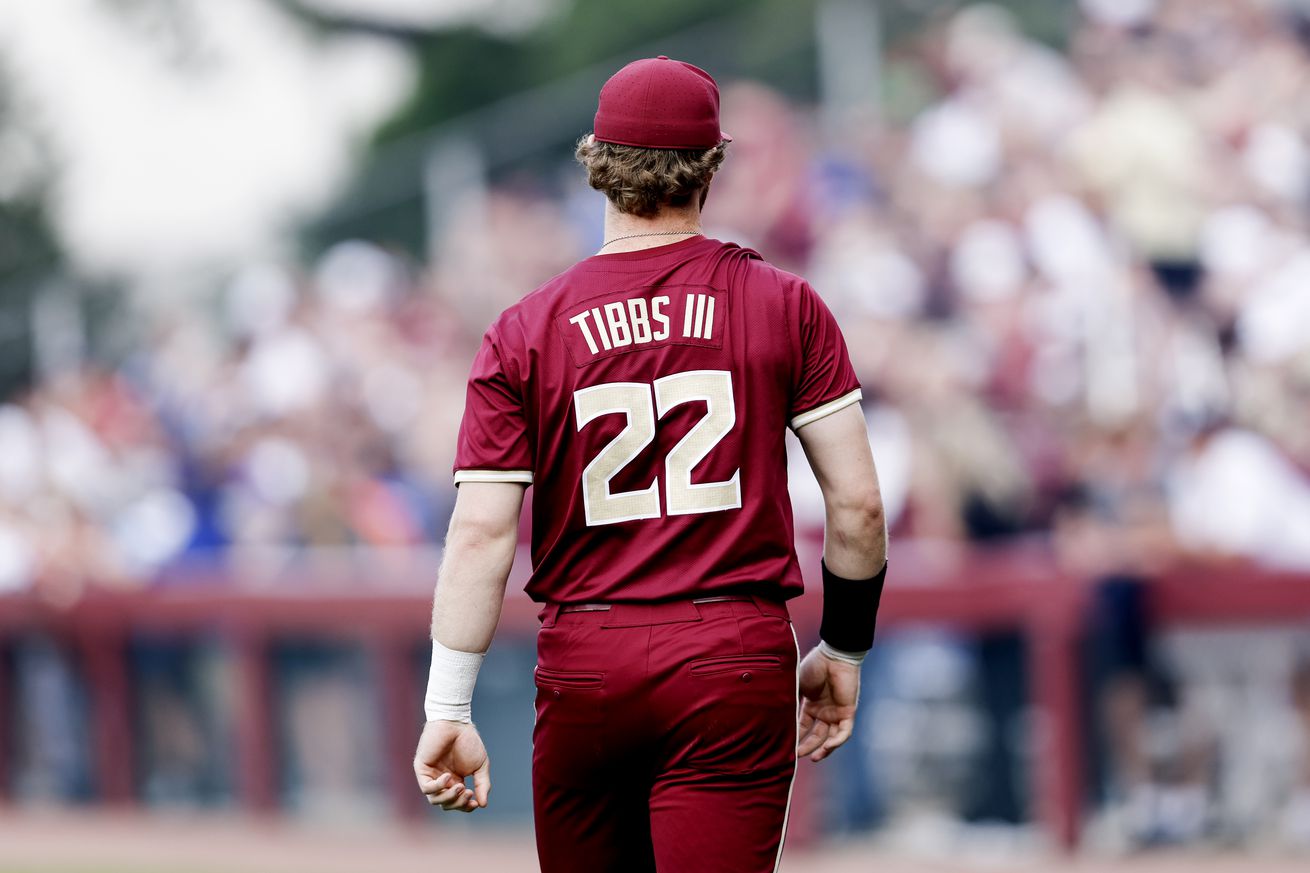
(645, 393)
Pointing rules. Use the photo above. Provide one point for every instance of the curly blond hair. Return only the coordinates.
(641, 181)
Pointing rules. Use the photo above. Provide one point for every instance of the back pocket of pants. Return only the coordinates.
(730, 663)
(570, 742)
(742, 715)
(568, 680)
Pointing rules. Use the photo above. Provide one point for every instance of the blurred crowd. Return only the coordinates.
(1076, 286)
(308, 411)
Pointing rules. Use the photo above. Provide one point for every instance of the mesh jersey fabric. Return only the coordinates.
(645, 396)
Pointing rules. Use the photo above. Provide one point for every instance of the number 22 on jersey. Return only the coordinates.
(633, 401)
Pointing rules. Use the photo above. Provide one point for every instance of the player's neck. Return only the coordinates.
(631, 233)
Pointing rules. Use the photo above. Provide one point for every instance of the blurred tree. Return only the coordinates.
(463, 70)
(29, 253)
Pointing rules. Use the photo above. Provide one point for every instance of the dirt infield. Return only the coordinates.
(63, 842)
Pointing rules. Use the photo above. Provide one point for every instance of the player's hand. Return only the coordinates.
(448, 752)
(829, 691)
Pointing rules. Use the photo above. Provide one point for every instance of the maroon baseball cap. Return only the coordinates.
(658, 103)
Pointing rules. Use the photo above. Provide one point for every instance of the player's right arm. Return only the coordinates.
(855, 559)
(493, 466)
(479, 552)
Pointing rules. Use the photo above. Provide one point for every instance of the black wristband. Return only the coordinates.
(850, 610)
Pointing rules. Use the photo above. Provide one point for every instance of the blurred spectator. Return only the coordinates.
(1233, 495)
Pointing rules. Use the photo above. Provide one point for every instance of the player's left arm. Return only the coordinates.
(854, 546)
(828, 421)
(480, 547)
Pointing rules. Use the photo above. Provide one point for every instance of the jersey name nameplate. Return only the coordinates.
(639, 319)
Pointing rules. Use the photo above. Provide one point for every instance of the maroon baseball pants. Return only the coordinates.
(665, 737)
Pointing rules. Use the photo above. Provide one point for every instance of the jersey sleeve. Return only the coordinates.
(824, 380)
(493, 444)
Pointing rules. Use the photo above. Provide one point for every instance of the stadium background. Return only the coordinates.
(247, 249)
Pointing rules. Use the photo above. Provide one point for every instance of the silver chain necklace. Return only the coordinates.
(660, 233)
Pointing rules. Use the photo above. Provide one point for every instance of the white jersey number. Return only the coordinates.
(633, 401)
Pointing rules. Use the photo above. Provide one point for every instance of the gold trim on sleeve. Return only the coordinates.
(522, 476)
(826, 409)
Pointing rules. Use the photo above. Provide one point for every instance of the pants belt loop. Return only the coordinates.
(640, 614)
(548, 614)
(774, 608)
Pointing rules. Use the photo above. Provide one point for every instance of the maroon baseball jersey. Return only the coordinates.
(646, 396)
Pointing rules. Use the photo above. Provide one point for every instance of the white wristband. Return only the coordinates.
(856, 658)
(450, 684)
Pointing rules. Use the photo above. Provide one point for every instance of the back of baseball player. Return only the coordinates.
(645, 395)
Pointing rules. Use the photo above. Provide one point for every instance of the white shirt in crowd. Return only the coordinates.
(1238, 495)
